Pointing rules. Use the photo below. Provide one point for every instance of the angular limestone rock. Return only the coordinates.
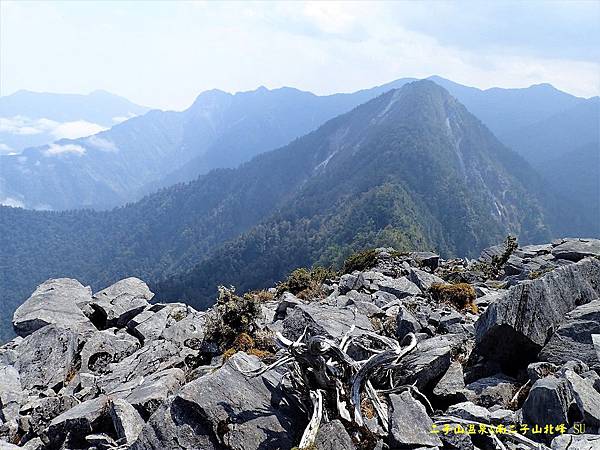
(46, 357)
(225, 409)
(53, 302)
(573, 339)
(119, 303)
(516, 327)
(410, 426)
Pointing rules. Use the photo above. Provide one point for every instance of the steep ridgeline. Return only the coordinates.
(411, 167)
(30, 119)
(159, 149)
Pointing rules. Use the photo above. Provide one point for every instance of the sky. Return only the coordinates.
(163, 54)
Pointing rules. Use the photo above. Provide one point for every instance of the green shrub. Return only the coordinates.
(305, 283)
(361, 261)
(231, 316)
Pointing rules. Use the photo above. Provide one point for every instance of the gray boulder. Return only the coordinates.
(470, 411)
(41, 411)
(46, 357)
(452, 384)
(586, 398)
(54, 302)
(77, 422)
(573, 339)
(349, 282)
(187, 332)
(576, 442)
(526, 316)
(400, 287)
(490, 391)
(157, 356)
(427, 363)
(548, 402)
(410, 426)
(120, 302)
(333, 436)
(225, 409)
(105, 347)
(577, 249)
(596, 342)
(423, 279)
(11, 393)
(406, 323)
(426, 259)
(126, 420)
(322, 319)
(155, 390)
(155, 320)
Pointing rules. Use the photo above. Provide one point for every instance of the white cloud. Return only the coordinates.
(22, 125)
(57, 149)
(25, 126)
(5, 149)
(77, 129)
(120, 119)
(323, 47)
(102, 144)
(9, 201)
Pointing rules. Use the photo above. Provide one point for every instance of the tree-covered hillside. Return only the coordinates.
(410, 168)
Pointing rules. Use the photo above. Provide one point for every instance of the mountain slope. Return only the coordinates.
(30, 119)
(219, 130)
(576, 175)
(411, 167)
(162, 148)
(558, 134)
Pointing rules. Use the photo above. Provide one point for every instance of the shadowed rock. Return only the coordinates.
(573, 339)
(515, 328)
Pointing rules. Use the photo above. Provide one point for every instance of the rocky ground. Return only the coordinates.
(404, 351)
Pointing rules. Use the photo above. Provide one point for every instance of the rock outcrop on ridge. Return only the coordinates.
(403, 351)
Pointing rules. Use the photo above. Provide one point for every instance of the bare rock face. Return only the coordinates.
(114, 371)
(573, 339)
(54, 302)
(515, 328)
(46, 357)
(225, 409)
(576, 249)
(106, 347)
(119, 303)
(548, 402)
(410, 426)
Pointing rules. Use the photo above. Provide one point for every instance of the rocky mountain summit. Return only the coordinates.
(398, 351)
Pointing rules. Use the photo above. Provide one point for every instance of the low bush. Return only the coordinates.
(361, 261)
(460, 295)
(304, 283)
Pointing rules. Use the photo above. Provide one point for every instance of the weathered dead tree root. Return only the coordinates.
(325, 373)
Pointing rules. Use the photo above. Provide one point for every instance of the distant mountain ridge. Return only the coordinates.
(220, 130)
(137, 156)
(411, 167)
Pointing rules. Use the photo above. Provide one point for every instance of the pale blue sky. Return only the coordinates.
(162, 54)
